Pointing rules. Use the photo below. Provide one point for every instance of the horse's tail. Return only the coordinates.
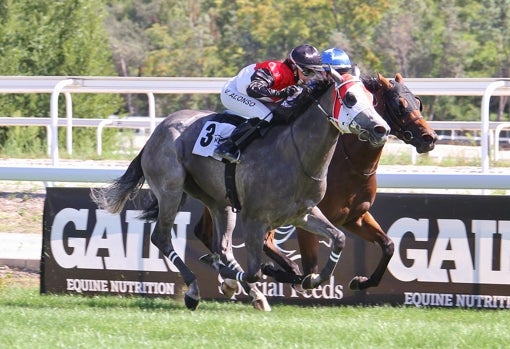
(114, 197)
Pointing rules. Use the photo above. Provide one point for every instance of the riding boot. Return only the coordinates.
(242, 135)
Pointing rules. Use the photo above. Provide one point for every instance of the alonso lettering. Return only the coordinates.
(241, 99)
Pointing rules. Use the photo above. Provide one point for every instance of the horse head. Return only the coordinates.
(354, 112)
(402, 110)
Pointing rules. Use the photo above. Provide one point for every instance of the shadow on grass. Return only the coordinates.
(29, 297)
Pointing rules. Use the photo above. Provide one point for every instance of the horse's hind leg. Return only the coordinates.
(161, 237)
(368, 228)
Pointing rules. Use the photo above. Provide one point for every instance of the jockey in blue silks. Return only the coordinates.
(337, 59)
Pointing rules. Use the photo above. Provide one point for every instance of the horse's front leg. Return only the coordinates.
(254, 240)
(228, 267)
(291, 273)
(254, 234)
(316, 223)
(367, 228)
(273, 252)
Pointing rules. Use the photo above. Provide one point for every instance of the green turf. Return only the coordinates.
(30, 320)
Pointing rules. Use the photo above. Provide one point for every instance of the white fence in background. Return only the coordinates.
(56, 85)
(422, 180)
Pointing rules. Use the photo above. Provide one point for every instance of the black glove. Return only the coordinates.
(290, 91)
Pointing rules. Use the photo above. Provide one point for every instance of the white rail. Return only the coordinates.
(99, 124)
(67, 85)
(55, 85)
(422, 180)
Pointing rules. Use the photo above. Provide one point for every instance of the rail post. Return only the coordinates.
(485, 120)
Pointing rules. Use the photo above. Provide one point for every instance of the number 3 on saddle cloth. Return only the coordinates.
(214, 132)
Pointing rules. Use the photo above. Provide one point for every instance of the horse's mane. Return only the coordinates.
(318, 87)
(371, 83)
(310, 93)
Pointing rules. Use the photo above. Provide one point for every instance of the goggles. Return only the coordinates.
(307, 72)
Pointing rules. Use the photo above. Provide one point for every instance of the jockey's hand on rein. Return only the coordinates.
(292, 90)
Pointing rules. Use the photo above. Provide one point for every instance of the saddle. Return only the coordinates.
(215, 131)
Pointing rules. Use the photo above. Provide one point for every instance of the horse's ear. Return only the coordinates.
(336, 76)
(370, 82)
(399, 78)
(385, 82)
(356, 71)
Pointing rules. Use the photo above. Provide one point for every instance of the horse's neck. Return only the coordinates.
(314, 139)
(361, 157)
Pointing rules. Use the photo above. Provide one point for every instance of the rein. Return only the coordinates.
(299, 156)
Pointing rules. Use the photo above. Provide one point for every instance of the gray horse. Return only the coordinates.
(280, 179)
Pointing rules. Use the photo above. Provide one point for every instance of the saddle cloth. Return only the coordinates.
(214, 132)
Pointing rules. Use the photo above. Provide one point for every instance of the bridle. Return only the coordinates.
(330, 117)
(398, 116)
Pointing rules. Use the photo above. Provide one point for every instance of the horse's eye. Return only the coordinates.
(403, 104)
(349, 100)
(419, 103)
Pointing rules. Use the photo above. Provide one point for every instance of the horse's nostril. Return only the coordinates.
(381, 130)
(429, 138)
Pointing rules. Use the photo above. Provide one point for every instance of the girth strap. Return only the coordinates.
(230, 186)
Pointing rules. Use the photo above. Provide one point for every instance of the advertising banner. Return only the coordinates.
(450, 251)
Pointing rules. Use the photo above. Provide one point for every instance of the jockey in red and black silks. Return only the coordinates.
(255, 90)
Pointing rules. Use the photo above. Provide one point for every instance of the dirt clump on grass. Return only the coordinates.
(18, 277)
(22, 208)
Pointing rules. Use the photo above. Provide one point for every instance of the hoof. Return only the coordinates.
(356, 282)
(311, 281)
(259, 301)
(192, 296)
(229, 287)
(212, 259)
(190, 302)
(268, 269)
(299, 289)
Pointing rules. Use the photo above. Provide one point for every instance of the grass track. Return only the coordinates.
(29, 320)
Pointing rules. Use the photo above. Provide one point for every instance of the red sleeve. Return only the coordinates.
(282, 74)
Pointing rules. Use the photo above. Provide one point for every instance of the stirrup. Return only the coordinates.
(228, 155)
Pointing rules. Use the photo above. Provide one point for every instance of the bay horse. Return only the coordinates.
(171, 169)
(351, 187)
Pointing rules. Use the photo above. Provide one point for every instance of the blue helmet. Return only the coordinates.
(337, 59)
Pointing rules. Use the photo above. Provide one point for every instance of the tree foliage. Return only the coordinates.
(216, 38)
(60, 38)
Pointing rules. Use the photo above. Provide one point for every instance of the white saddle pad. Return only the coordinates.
(212, 134)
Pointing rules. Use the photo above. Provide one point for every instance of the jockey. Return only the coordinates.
(337, 59)
(258, 88)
